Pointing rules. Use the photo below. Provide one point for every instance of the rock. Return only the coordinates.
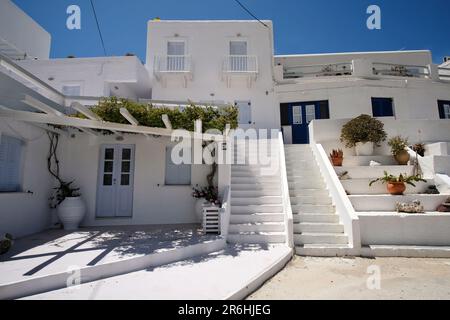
(411, 207)
(374, 164)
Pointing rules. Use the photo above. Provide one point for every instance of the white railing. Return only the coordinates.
(173, 64)
(287, 209)
(319, 70)
(240, 64)
(401, 70)
(341, 201)
(225, 212)
(444, 73)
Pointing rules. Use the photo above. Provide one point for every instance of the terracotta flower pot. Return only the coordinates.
(396, 188)
(337, 162)
(402, 157)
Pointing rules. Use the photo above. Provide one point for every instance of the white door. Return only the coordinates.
(238, 56)
(176, 51)
(115, 181)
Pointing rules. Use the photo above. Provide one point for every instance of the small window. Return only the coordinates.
(71, 90)
(297, 115)
(382, 107)
(176, 48)
(310, 111)
(10, 163)
(176, 56)
(238, 48)
(444, 109)
(176, 175)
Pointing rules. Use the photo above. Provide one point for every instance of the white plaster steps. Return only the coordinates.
(250, 209)
(232, 273)
(255, 187)
(320, 238)
(255, 179)
(318, 227)
(372, 251)
(314, 217)
(306, 184)
(387, 203)
(309, 193)
(374, 172)
(324, 250)
(354, 161)
(301, 199)
(257, 237)
(361, 187)
(244, 201)
(257, 227)
(255, 193)
(256, 218)
(313, 208)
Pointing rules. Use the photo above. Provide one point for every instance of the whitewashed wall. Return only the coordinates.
(96, 76)
(19, 29)
(208, 44)
(152, 204)
(24, 213)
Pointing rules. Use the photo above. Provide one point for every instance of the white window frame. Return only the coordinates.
(168, 152)
(297, 117)
(446, 111)
(309, 114)
(20, 167)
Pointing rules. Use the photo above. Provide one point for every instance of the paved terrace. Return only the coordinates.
(54, 251)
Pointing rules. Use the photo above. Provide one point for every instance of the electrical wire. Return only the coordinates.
(98, 27)
(250, 13)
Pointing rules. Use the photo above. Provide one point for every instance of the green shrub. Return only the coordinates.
(398, 144)
(363, 129)
(150, 116)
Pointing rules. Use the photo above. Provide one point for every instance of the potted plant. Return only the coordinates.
(70, 206)
(337, 157)
(363, 133)
(419, 148)
(399, 150)
(396, 185)
(205, 196)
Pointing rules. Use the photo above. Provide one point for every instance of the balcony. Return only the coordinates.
(240, 66)
(400, 70)
(319, 70)
(444, 73)
(172, 66)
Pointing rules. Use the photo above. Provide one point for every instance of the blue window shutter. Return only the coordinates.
(10, 163)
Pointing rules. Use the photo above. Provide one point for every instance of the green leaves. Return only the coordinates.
(363, 129)
(389, 178)
(148, 115)
(398, 144)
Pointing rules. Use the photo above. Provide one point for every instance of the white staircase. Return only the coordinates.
(256, 201)
(317, 230)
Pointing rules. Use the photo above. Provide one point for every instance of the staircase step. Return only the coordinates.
(255, 193)
(308, 176)
(318, 227)
(388, 202)
(312, 208)
(352, 161)
(320, 238)
(306, 184)
(362, 172)
(250, 209)
(309, 192)
(324, 250)
(255, 187)
(361, 187)
(256, 217)
(314, 217)
(259, 179)
(311, 200)
(257, 227)
(240, 201)
(256, 237)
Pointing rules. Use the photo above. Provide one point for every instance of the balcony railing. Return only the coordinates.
(240, 64)
(444, 73)
(319, 70)
(173, 64)
(400, 70)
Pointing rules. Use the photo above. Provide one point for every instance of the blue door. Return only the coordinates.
(300, 115)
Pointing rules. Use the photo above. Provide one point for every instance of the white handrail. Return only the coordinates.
(225, 212)
(240, 64)
(343, 204)
(287, 209)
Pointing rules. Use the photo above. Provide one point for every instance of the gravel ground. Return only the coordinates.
(356, 279)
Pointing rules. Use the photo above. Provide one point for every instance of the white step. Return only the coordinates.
(388, 203)
(309, 176)
(300, 170)
(361, 186)
(374, 172)
(256, 237)
(314, 217)
(318, 227)
(256, 170)
(406, 251)
(311, 200)
(257, 227)
(352, 161)
(306, 184)
(320, 238)
(239, 201)
(250, 209)
(309, 192)
(312, 208)
(255, 193)
(241, 174)
(260, 179)
(324, 250)
(256, 217)
(255, 187)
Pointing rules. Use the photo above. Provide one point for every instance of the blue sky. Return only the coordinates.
(301, 26)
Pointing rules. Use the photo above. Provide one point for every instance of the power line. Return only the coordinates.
(98, 28)
(250, 13)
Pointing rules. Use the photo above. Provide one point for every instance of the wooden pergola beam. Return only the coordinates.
(85, 111)
(166, 120)
(132, 120)
(32, 102)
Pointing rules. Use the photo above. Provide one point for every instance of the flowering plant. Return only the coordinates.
(210, 194)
